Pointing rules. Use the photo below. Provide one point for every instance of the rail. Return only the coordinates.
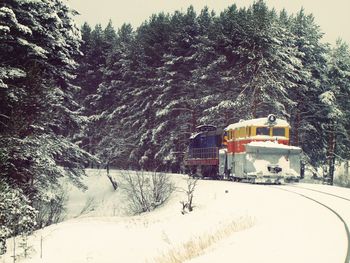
(346, 227)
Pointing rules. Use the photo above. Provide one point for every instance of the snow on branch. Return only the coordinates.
(327, 98)
(7, 13)
(35, 49)
(11, 73)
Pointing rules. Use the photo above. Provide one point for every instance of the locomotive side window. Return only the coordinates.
(278, 132)
(263, 131)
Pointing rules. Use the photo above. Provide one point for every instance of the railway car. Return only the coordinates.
(202, 158)
(256, 151)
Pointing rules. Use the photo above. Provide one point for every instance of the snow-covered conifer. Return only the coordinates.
(38, 114)
(16, 214)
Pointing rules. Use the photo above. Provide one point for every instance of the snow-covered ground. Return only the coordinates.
(231, 222)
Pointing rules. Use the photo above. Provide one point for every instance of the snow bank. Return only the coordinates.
(98, 200)
(104, 232)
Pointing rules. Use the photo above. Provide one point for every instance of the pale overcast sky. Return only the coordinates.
(332, 16)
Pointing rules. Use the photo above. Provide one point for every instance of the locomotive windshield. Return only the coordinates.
(263, 131)
(205, 140)
(278, 132)
(275, 131)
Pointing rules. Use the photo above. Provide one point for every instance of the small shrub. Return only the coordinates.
(146, 191)
(50, 206)
(187, 205)
(342, 180)
(89, 206)
(17, 216)
(25, 248)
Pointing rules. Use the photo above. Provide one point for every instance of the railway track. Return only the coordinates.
(322, 192)
(332, 210)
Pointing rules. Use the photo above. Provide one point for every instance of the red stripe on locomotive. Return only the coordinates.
(238, 146)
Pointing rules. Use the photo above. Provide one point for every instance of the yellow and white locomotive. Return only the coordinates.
(256, 150)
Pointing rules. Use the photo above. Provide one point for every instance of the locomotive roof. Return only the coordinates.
(257, 122)
(218, 131)
(206, 127)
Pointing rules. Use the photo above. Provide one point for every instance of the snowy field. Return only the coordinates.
(231, 222)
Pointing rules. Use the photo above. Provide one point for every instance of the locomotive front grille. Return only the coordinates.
(204, 153)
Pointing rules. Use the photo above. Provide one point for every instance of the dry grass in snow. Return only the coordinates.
(197, 245)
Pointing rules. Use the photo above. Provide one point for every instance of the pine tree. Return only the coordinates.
(208, 77)
(85, 67)
(152, 43)
(270, 64)
(306, 117)
(16, 214)
(226, 33)
(97, 46)
(176, 105)
(259, 64)
(335, 101)
(39, 114)
(106, 123)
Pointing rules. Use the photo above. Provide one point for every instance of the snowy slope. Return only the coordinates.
(231, 223)
(99, 199)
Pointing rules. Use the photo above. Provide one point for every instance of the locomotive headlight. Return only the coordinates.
(271, 119)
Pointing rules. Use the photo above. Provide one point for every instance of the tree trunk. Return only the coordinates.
(254, 106)
(296, 129)
(194, 120)
(111, 179)
(330, 154)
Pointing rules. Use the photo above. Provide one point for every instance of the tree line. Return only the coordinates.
(130, 98)
(144, 91)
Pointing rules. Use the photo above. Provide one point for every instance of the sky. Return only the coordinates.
(332, 16)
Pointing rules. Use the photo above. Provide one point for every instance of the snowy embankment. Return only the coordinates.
(98, 228)
(231, 222)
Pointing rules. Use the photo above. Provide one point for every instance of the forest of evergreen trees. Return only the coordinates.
(129, 98)
(145, 90)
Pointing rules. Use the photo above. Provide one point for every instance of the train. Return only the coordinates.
(254, 151)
